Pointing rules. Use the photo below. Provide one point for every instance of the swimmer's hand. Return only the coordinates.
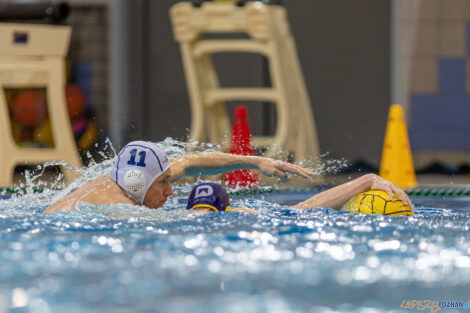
(270, 167)
(379, 183)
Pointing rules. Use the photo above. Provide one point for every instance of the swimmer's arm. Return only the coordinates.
(244, 210)
(212, 163)
(63, 204)
(69, 203)
(99, 191)
(337, 196)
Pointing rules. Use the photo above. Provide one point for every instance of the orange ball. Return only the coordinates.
(76, 101)
(29, 108)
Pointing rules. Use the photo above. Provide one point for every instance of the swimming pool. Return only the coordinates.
(128, 259)
(119, 258)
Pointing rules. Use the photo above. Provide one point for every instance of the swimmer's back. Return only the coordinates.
(102, 190)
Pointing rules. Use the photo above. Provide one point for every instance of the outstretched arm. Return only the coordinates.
(244, 210)
(337, 196)
(212, 163)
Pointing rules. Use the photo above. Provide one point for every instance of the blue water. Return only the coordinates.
(117, 258)
(132, 259)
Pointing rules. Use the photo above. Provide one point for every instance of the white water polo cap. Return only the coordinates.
(137, 166)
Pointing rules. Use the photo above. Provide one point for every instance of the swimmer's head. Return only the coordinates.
(138, 166)
(209, 196)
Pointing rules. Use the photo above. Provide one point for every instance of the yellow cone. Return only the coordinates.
(397, 163)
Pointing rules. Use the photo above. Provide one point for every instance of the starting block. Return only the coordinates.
(32, 56)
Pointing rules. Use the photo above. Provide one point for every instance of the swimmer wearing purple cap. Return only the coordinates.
(210, 198)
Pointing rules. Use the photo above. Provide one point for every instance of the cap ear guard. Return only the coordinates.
(135, 183)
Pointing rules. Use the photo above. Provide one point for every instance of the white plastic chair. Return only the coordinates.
(270, 36)
(32, 56)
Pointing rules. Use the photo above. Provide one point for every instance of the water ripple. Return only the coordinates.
(121, 258)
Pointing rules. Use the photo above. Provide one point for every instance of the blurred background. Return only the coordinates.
(124, 70)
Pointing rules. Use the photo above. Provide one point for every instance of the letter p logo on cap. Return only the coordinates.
(204, 191)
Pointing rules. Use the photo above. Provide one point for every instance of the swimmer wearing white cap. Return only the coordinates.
(143, 174)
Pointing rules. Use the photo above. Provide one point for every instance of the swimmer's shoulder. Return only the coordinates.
(102, 190)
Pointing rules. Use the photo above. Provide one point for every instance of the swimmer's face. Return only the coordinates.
(159, 191)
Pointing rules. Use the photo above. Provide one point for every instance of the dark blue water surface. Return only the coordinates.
(132, 259)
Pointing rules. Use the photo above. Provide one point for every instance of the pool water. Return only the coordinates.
(131, 259)
(118, 258)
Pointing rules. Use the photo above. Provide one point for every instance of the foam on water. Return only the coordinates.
(122, 258)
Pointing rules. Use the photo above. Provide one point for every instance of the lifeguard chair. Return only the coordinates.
(270, 36)
(32, 56)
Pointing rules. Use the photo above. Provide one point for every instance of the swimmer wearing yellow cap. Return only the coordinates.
(142, 174)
